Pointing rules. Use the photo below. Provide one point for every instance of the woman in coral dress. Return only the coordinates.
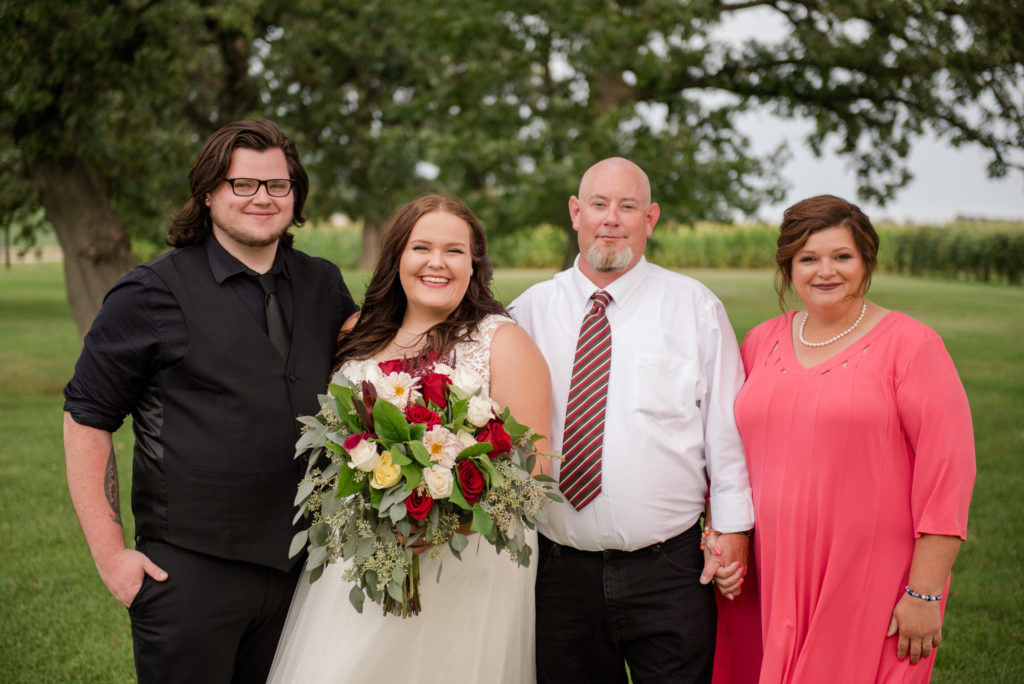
(861, 455)
(430, 298)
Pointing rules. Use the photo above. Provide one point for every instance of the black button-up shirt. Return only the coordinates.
(140, 330)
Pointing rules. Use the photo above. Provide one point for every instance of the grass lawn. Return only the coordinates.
(61, 625)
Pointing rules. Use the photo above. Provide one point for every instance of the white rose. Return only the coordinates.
(479, 410)
(439, 481)
(468, 380)
(364, 455)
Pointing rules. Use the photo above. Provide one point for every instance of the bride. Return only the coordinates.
(430, 294)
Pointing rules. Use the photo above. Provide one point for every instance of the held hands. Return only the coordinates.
(124, 571)
(725, 560)
(919, 624)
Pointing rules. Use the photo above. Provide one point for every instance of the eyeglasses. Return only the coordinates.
(247, 187)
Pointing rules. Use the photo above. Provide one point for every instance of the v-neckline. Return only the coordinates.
(840, 356)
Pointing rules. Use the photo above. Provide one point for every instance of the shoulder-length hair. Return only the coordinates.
(807, 217)
(191, 224)
(385, 301)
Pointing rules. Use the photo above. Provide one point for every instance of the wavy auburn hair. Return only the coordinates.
(385, 301)
(191, 224)
(811, 215)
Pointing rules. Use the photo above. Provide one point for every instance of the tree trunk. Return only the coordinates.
(97, 250)
(373, 233)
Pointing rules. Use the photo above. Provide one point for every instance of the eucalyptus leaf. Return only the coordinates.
(314, 573)
(298, 543)
(397, 512)
(459, 542)
(356, 598)
(329, 505)
(318, 534)
(395, 590)
(317, 556)
(364, 550)
(305, 489)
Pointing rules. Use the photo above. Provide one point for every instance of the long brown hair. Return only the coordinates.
(191, 224)
(385, 301)
(807, 217)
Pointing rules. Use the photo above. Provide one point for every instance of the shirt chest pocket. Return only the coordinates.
(666, 388)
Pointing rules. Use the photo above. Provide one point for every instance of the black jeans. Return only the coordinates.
(211, 620)
(596, 610)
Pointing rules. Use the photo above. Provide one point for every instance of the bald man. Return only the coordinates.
(620, 565)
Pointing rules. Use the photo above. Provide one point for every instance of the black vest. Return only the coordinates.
(214, 468)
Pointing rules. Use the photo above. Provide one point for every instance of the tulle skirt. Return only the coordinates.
(476, 625)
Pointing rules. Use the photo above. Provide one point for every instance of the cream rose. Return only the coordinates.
(439, 481)
(386, 473)
(364, 454)
(479, 410)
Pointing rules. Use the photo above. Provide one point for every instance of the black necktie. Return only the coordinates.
(275, 321)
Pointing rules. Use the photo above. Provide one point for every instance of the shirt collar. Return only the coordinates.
(621, 289)
(223, 265)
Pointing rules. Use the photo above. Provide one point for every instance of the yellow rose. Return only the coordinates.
(386, 473)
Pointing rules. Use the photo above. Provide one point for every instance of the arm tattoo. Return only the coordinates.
(111, 488)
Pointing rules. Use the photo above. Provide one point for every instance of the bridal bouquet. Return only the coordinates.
(399, 454)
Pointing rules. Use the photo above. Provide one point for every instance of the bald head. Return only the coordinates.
(613, 216)
(617, 165)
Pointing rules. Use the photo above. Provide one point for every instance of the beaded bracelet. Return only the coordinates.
(924, 597)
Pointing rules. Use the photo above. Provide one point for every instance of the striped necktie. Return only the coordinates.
(580, 474)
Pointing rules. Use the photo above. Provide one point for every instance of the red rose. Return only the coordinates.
(392, 366)
(415, 413)
(494, 432)
(433, 386)
(471, 481)
(418, 505)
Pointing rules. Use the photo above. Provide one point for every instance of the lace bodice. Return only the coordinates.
(474, 354)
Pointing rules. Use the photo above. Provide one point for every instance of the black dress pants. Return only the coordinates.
(212, 620)
(647, 608)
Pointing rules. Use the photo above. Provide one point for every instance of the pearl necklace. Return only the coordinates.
(830, 340)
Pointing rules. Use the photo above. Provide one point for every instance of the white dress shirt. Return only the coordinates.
(669, 428)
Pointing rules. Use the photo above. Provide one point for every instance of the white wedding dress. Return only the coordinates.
(475, 625)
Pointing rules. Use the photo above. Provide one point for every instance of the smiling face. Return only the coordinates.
(828, 270)
(613, 216)
(244, 225)
(436, 266)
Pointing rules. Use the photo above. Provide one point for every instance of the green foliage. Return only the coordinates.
(503, 104)
(972, 252)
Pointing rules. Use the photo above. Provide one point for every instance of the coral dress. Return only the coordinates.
(850, 461)
(476, 623)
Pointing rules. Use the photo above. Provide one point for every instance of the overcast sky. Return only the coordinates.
(947, 182)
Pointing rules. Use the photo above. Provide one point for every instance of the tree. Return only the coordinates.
(103, 113)
(502, 105)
